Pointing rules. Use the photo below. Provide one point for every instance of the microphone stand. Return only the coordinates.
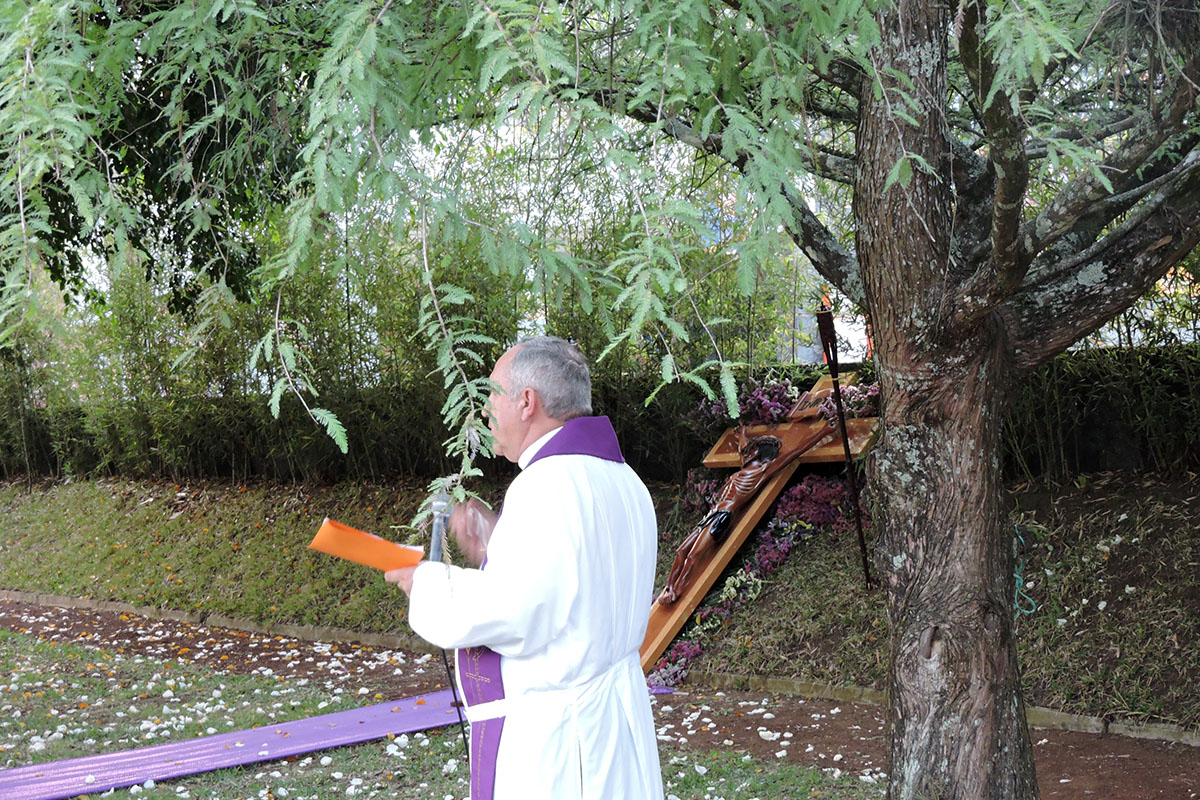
(440, 506)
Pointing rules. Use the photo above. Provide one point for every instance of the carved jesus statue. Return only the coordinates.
(761, 459)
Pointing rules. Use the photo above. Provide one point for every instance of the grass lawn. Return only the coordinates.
(1109, 619)
(61, 701)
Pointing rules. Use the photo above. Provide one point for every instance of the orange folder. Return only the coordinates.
(368, 549)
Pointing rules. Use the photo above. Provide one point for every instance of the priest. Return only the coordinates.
(547, 629)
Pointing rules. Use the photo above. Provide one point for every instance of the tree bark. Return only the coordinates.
(957, 722)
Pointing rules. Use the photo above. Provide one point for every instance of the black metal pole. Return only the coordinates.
(829, 345)
(462, 723)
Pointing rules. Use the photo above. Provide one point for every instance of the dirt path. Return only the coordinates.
(851, 737)
(846, 737)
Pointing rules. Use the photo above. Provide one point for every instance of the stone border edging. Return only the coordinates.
(308, 633)
(1037, 716)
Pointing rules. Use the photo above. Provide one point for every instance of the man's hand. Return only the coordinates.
(471, 524)
(402, 577)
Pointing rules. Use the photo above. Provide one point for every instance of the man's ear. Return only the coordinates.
(529, 403)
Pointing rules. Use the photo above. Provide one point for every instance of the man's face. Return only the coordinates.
(504, 412)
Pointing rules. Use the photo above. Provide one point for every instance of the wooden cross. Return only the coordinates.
(804, 418)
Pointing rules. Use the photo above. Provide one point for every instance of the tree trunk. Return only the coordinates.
(956, 723)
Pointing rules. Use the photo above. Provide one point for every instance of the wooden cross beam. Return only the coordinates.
(803, 415)
(667, 620)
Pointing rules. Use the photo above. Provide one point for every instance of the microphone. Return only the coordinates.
(440, 507)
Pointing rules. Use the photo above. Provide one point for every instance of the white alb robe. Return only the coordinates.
(564, 600)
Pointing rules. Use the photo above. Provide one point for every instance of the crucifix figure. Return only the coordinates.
(762, 457)
(765, 457)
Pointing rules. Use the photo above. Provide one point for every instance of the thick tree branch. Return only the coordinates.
(1064, 300)
(1077, 198)
(1151, 177)
(974, 186)
(1099, 219)
(833, 261)
(969, 167)
(828, 256)
(844, 114)
(828, 165)
(1038, 148)
(844, 73)
(999, 275)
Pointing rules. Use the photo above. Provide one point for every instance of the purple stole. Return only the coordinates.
(479, 667)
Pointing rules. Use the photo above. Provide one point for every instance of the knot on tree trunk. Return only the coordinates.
(931, 643)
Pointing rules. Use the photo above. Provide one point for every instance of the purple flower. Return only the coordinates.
(857, 401)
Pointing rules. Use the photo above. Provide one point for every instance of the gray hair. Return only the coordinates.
(557, 371)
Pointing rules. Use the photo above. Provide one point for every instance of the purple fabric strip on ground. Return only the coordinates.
(99, 773)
